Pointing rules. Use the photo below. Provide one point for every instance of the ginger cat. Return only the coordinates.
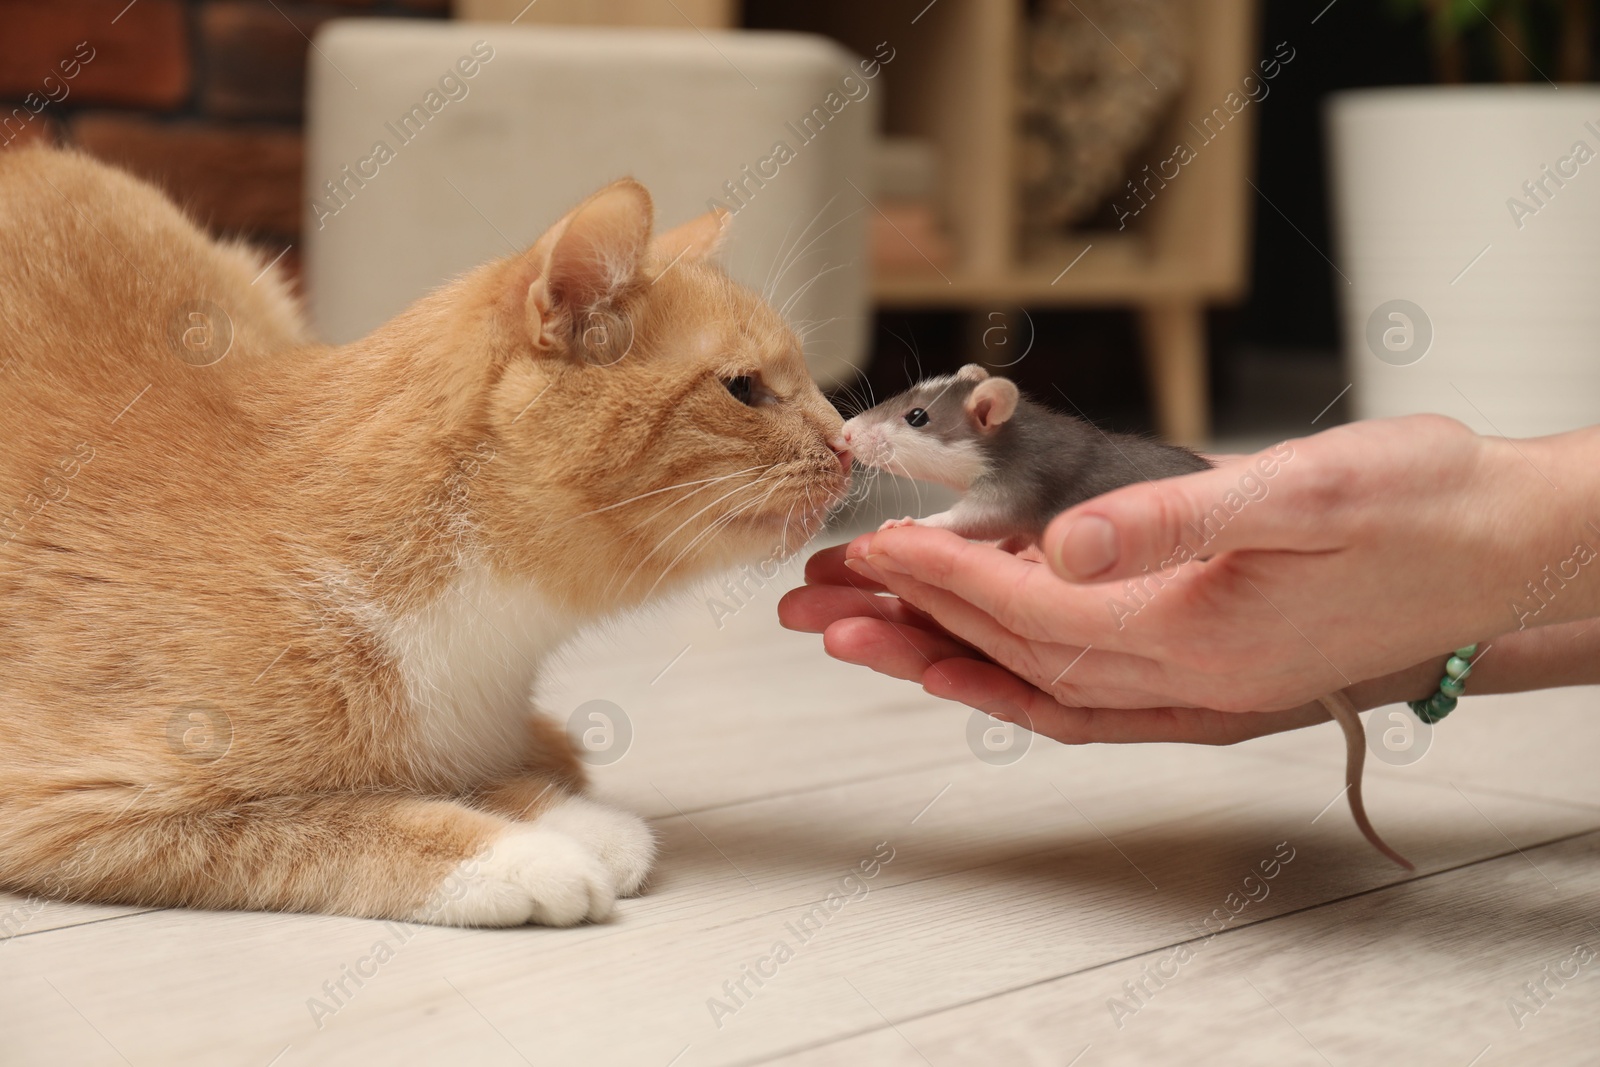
(271, 611)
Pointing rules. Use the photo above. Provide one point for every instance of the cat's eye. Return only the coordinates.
(916, 417)
(740, 389)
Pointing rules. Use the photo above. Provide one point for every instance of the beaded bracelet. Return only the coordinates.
(1451, 686)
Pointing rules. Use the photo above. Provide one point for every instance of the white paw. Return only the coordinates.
(890, 524)
(621, 839)
(528, 874)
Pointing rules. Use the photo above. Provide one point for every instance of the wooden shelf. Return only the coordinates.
(955, 82)
(1094, 269)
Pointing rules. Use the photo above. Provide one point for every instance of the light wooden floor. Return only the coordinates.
(1018, 902)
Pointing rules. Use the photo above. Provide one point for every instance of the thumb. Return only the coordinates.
(1166, 523)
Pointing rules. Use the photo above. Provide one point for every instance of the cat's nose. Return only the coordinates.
(840, 445)
(841, 451)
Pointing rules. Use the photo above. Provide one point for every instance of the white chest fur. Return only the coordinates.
(469, 659)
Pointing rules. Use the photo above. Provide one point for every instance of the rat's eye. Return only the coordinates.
(917, 417)
(739, 388)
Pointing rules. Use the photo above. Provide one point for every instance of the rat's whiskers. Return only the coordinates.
(911, 347)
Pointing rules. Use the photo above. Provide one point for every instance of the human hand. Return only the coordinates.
(862, 624)
(1333, 559)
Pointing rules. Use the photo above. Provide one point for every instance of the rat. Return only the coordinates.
(1018, 465)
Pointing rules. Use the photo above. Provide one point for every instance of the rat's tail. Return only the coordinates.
(1355, 744)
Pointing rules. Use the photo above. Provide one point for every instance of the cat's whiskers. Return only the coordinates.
(810, 335)
(806, 327)
(812, 511)
(777, 257)
(654, 515)
(662, 543)
(783, 547)
(801, 253)
(778, 254)
(793, 254)
(704, 539)
(702, 482)
(706, 536)
(802, 290)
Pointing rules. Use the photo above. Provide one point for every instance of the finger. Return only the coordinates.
(1162, 525)
(1004, 696)
(813, 608)
(1084, 675)
(1021, 597)
(827, 567)
(971, 624)
(997, 692)
(904, 652)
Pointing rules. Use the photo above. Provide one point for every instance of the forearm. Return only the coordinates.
(1545, 658)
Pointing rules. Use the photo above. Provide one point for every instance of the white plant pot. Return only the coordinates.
(1500, 325)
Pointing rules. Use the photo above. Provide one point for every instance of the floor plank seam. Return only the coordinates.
(87, 922)
(644, 922)
(1375, 770)
(1410, 880)
(800, 791)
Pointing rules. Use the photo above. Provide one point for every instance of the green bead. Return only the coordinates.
(1456, 667)
(1452, 687)
(1441, 704)
(1419, 708)
(1468, 652)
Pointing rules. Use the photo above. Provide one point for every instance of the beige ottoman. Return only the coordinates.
(432, 147)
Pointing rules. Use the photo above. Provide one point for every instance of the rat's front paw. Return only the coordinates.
(890, 524)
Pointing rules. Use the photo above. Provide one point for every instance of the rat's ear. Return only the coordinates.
(991, 402)
(699, 238)
(972, 372)
(588, 260)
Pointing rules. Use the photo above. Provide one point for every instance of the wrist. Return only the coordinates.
(1557, 512)
(1547, 658)
(1416, 682)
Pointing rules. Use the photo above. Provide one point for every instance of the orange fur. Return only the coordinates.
(310, 548)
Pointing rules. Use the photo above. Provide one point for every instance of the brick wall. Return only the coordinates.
(204, 97)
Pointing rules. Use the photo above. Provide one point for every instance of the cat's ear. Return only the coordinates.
(588, 260)
(699, 238)
(991, 402)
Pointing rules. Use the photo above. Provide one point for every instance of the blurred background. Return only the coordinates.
(1032, 203)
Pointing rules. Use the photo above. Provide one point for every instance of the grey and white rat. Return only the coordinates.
(1018, 465)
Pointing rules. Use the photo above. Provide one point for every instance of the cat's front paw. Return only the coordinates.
(890, 524)
(529, 874)
(621, 839)
(566, 867)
